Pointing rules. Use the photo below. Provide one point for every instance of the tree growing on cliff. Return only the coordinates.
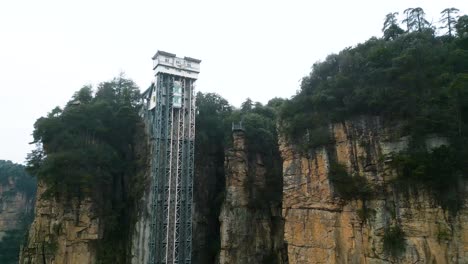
(415, 19)
(88, 149)
(462, 26)
(417, 79)
(391, 29)
(448, 19)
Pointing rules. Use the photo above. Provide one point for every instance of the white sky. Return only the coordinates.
(256, 49)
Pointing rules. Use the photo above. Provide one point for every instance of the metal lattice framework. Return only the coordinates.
(172, 129)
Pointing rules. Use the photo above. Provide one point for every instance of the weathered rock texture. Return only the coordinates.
(207, 197)
(320, 228)
(62, 232)
(251, 226)
(14, 205)
(141, 234)
(16, 208)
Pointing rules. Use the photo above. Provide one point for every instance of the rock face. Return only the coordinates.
(208, 189)
(17, 192)
(320, 228)
(251, 227)
(141, 234)
(14, 204)
(61, 232)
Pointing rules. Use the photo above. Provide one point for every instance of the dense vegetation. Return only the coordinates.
(214, 129)
(211, 132)
(17, 174)
(88, 149)
(24, 184)
(214, 134)
(416, 76)
(412, 77)
(394, 244)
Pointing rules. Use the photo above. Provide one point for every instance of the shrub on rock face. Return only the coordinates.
(349, 187)
(394, 244)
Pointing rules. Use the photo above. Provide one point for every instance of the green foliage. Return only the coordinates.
(214, 134)
(88, 150)
(13, 239)
(365, 213)
(10, 246)
(448, 19)
(405, 78)
(462, 26)
(417, 79)
(391, 29)
(211, 130)
(443, 233)
(349, 187)
(17, 174)
(22, 182)
(394, 244)
(415, 19)
(438, 171)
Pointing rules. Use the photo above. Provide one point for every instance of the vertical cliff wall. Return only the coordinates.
(207, 197)
(251, 224)
(62, 232)
(321, 228)
(141, 232)
(16, 206)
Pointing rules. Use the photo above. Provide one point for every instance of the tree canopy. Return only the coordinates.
(88, 149)
(449, 19)
(417, 78)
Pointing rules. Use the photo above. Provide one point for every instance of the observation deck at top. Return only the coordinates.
(169, 63)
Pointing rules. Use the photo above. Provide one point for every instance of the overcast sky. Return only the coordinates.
(256, 49)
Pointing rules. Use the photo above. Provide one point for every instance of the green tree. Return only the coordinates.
(89, 149)
(84, 95)
(417, 79)
(462, 26)
(449, 19)
(247, 105)
(408, 20)
(391, 29)
(415, 19)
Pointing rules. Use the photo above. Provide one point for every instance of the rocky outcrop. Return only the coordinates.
(251, 226)
(207, 197)
(62, 232)
(17, 192)
(14, 205)
(141, 232)
(321, 228)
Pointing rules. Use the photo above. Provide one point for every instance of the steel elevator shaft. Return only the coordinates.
(172, 129)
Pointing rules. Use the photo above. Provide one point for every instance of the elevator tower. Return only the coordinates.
(169, 111)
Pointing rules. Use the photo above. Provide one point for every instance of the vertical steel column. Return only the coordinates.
(156, 129)
(178, 183)
(167, 195)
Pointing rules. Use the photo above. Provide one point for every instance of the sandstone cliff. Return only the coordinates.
(14, 204)
(251, 226)
(17, 191)
(62, 232)
(320, 228)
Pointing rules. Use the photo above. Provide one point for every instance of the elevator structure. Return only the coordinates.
(169, 111)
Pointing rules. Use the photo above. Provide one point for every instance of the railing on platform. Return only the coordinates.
(237, 126)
